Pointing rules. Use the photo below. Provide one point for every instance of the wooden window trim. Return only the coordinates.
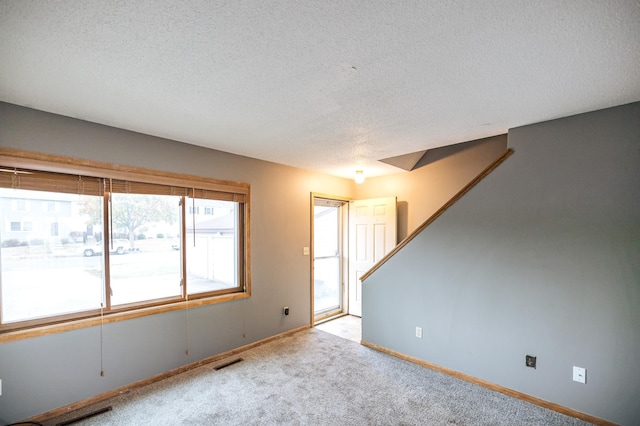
(142, 178)
(43, 330)
(72, 166)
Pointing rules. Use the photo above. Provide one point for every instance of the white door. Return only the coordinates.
(372, 234)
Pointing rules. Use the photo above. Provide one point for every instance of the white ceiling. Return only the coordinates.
(332, 85)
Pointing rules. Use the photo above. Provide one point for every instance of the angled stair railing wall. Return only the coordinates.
(491, 167)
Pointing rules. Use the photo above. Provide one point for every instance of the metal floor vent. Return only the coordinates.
(228, 363)
(85, 416)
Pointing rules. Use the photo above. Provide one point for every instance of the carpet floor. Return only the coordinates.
(347, 326)
(315, 378)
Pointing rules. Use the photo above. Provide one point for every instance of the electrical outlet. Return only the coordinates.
(0, 387)
(579, 374)
(419, 332)
(530, 361)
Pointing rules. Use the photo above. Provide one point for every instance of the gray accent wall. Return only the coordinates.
(541, 258)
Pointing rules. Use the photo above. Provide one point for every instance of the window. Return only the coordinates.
(151, 269)
(210, 244)
(21, 205)
(37, 285)
(117, 243)
(54, 229)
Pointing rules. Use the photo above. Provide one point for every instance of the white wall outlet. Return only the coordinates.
(0, 387)
(579, 374)
(419, 332)
(305, 251)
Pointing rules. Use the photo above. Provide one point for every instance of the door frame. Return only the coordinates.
(344, 252)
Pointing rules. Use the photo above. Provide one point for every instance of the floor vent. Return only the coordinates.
(85, 416)
(228, 363)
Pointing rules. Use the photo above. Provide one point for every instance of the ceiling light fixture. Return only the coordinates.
(359, 177)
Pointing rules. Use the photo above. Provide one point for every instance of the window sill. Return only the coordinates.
(12, 336)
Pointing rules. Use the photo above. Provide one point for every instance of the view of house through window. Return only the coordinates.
(212, 240)
(43, 273)
(164, 244)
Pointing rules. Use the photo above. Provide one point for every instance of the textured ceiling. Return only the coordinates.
(331, 86)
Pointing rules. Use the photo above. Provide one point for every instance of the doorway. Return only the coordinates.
(328, 257)
(349, 237)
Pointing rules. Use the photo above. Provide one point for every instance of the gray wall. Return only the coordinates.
(541, 258)
(44, 373)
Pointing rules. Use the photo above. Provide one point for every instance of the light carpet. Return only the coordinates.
(315, 378)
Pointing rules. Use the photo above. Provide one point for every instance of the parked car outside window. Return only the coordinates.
(115, 247)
